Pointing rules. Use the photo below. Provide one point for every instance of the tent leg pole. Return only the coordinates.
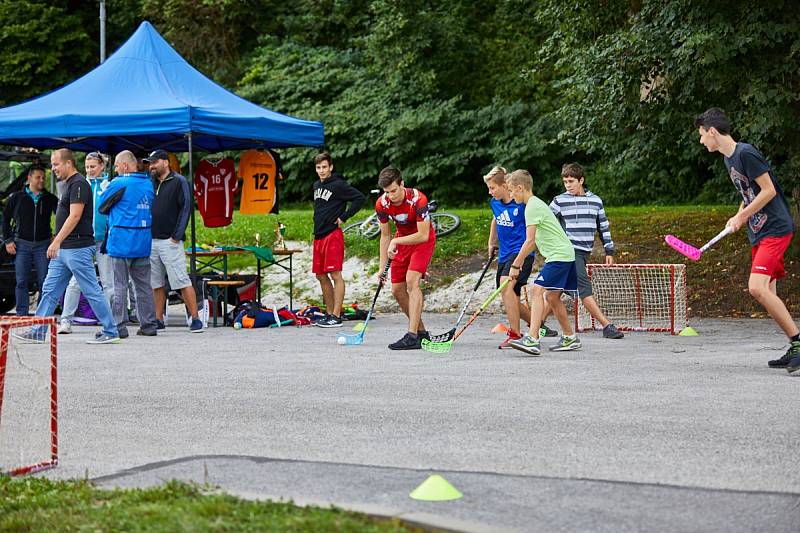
(193, 261)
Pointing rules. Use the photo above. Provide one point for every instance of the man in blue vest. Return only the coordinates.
(98, 180)
(128, 202)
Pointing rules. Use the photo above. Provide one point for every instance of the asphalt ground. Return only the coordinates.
(650, 433)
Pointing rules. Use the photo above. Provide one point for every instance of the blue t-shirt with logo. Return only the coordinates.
(510, 223)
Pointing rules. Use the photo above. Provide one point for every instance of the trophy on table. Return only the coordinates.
(280, 232)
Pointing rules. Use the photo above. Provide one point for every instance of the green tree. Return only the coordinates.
(632, 86)
(400, 94)
(43, 46)
(213, 35)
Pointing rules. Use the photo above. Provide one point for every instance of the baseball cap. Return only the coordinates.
(155, 155)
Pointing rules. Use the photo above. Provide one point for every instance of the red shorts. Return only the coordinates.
(414, 257)
(328, 253)
(768, 256)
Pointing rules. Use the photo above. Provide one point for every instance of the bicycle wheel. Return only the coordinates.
(445, 223)
(372, 229)
(369, 228)
(354, 228)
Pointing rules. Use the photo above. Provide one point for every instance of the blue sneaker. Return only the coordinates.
(104, 339)
(197, 326)
(31, 336)
(526, 344)
(566, 344)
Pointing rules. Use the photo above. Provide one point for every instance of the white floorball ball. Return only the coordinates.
(341, 340)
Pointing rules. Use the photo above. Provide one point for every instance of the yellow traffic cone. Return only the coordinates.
(435, 489)
(688, 331)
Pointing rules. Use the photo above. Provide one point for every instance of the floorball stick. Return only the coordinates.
(444, 347)
(690, 251)
(358, 338)
(448, 336)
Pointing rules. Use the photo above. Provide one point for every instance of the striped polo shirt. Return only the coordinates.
(581, 217)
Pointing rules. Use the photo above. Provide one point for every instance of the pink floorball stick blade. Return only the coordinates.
(686, 249)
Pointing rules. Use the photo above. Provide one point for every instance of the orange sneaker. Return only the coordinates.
(512, 336)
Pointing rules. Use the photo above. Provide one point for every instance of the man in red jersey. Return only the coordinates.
(411, 249)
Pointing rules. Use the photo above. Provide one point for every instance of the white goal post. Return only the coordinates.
(637, 297)
(28, 395)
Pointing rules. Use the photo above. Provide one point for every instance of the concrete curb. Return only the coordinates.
(426, 521)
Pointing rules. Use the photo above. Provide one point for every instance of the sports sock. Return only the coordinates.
(795, 338)
(413, 335)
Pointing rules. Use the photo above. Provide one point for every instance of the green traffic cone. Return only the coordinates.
(688, 331)
(435, 489)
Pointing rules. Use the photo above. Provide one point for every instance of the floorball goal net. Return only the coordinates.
(637, 297)
(28, 395)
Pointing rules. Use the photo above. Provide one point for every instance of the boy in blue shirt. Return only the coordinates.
(507, 235)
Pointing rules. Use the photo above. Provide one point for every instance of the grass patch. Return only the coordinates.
(36, 504)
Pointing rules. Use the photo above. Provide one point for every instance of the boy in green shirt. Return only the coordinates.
(544, 233)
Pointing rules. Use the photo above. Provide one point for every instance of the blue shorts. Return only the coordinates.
(558, 276)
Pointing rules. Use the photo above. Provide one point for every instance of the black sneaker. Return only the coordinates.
(791, 353)
(794, 366)
(160, 324)
(545, 331)
(147, 332)
(423, 335)
(611, 332)
(330, 321)
(408, 342)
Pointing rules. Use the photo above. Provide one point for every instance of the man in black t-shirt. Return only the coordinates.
(71, 253)
(766, 214)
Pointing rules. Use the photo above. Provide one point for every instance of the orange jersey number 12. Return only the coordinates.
(259, 173)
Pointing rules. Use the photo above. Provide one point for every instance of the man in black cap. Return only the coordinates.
(171, 211)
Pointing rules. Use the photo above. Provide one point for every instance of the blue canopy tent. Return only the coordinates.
(146, 96)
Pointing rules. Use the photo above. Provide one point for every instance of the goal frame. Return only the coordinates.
(678, 307)
(7, 323)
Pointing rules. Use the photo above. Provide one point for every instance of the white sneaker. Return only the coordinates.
(65, 327)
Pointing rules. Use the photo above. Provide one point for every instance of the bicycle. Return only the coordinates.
(443, 223)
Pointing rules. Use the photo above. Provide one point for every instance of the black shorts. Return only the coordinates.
(503, 270)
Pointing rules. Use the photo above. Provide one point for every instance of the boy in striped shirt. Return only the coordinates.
(581, 214)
